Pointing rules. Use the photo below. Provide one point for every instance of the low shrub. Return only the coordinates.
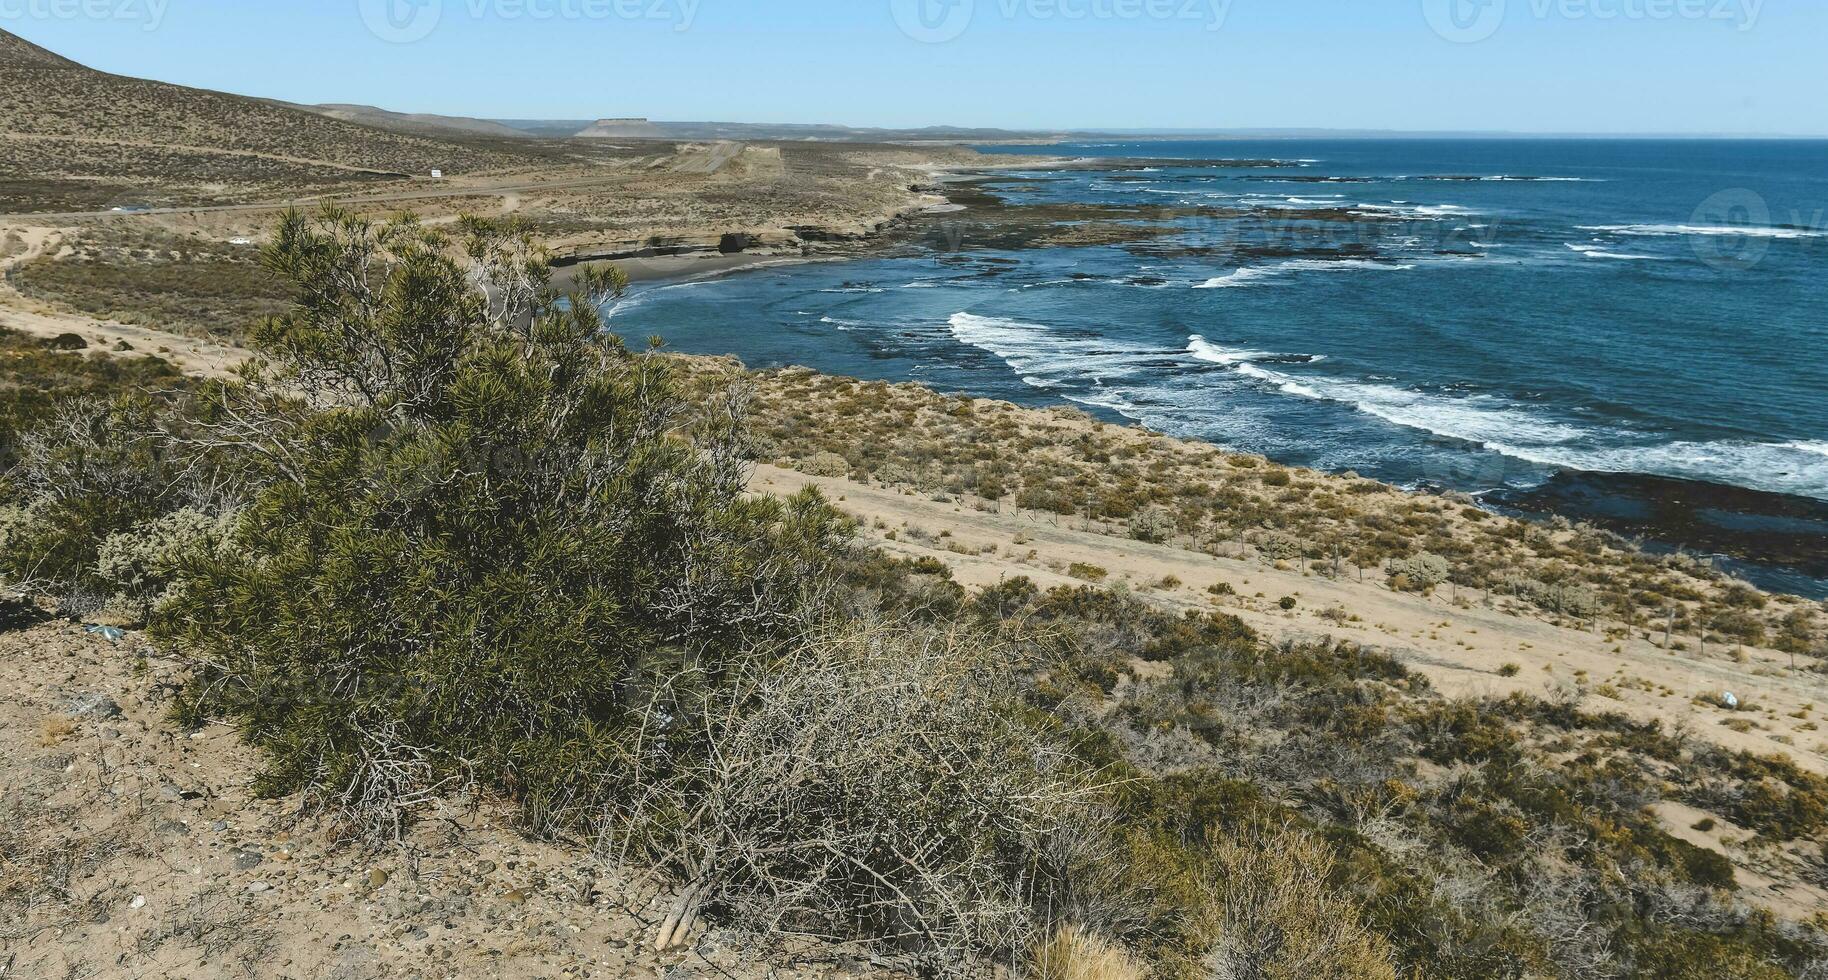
(1275, 912)
(879, 781)
(1421, 573)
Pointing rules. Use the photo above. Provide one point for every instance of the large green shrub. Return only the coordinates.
(488, 530)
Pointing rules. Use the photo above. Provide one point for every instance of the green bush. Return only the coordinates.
(495, 532)
(1420, 573)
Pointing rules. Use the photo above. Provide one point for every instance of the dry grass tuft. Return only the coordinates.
(54, 730)
(1278, 914)
(1076, 954)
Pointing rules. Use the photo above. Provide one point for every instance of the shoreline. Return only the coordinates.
(1605, 500)
(1721, 523)
(689, 267)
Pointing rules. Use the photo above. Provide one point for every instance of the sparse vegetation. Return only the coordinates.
(454, 540)
(1136, 484)
(179, 284)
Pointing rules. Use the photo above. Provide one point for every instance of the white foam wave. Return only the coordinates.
(1799, 468)
(1723, 231)
(1251, 275)
(1242, 276)
(1476, 418)
(1794, 468)
(1045, 357)
(1601, 252)
(1204, 350)
(1415, 210)
(635, 300)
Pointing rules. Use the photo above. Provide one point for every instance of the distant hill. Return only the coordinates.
(638, 128)
(73, 138)
(548, 128)
(417, 123)
(626, 128)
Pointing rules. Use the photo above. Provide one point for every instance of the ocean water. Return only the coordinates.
(1480, 315)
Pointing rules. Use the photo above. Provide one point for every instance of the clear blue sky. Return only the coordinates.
(1618, 66)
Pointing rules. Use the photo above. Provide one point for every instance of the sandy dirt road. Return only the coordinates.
(1463, 648)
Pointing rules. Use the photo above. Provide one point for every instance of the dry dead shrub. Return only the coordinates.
(1077, 954)
(389, 782)
(1277, 916)
(54, 730)
(883, 784)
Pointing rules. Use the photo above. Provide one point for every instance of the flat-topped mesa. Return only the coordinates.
(625, 127)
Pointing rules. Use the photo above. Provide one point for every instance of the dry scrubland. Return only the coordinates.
(78, 143)
(781, 198)
(531, 685)
(461, 640)
(129, 848)
(1145, 486)
(197, 275)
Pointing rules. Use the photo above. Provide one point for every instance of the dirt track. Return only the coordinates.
(1462, 648)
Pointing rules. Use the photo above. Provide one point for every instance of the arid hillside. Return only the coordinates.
(76, 139)
(416, 123)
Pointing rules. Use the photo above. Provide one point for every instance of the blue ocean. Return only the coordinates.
(1490, 316)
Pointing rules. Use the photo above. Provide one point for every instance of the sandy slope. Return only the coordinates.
(131, 849)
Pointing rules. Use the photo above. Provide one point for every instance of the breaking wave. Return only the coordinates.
(1251, 275)
(1781, 232)
(1799, 468)
(1601, 252)
(1482, 419)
